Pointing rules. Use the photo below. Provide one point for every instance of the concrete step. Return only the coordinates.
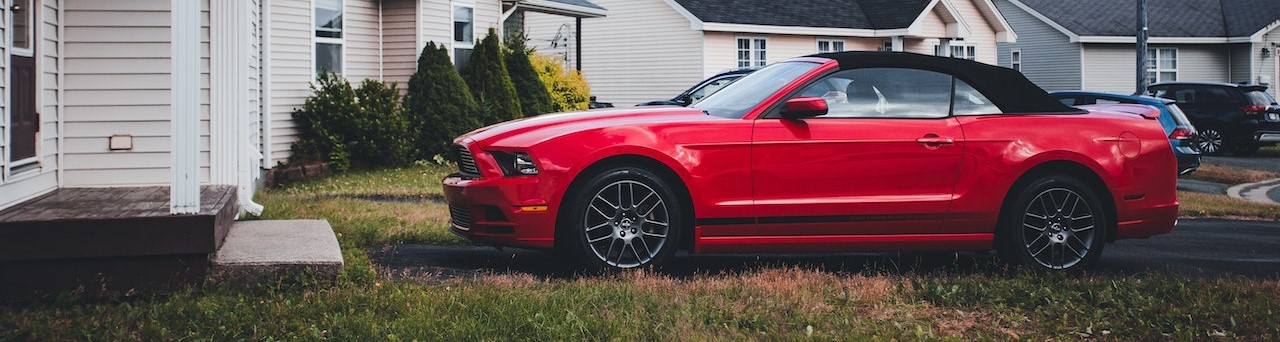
(264, 251)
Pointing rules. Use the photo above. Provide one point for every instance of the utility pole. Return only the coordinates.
(1142, 48)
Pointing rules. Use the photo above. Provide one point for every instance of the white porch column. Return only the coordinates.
(944, 47)
(896, 44)
(184, 186)
(231, 47)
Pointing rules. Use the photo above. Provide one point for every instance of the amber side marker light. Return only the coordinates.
(534, 208)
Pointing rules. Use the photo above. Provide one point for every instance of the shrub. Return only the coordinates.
(319, 136)
(345, 126)
(486, 75)
(534, 96)
(569, 90)
(439, 106)
(381, 132)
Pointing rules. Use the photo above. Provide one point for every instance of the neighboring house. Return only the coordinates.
(654, 49)
(1090, 44)
(185, 92)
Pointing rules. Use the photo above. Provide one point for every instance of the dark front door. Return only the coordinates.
(23, 115)
(23, 118)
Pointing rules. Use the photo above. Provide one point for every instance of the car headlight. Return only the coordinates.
(515, 163)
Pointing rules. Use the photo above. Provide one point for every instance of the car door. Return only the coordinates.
(884, 160)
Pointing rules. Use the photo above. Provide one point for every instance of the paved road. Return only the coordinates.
(1256, 163)
(1197, 248)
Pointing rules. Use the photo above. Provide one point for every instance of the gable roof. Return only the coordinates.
(580, 3)
(846, 14)
(1165, 18)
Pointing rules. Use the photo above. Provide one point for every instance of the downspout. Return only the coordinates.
(245, 162)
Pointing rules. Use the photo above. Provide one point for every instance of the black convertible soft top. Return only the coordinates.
(1006, 88)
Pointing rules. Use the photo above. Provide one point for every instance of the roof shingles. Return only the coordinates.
(849, 14)
(1165, 18)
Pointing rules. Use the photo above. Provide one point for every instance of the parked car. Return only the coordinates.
(1182, 134)
(1234, 118)
(901, 152)
(703, 89)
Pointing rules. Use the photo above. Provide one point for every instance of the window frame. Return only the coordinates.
(753, 51)
(30, 50)
(831, 42)
(454, 44)
(1153, 67)
(341, 41)
(1015, 63)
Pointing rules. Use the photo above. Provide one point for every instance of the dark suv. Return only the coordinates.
(1230, 117)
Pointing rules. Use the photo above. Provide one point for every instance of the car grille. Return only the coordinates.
(467, 162)
(460, 216)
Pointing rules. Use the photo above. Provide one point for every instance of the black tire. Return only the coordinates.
(1054, 223)
(1244, 148)
(1211, 141)
(621, 218)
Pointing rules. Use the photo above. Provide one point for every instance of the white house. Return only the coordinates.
(1090, 44)
(185, 92)
(654, 49)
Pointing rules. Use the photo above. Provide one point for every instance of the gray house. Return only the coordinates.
(1089, 44)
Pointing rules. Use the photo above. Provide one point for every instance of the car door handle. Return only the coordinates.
(933, 140)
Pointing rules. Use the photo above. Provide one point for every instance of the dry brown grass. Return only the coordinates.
(1230, 175)
(1193, 204)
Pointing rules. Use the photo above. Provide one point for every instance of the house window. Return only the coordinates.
(830, 45)
(328, 36)
(958, 50)
(464, 33)
(22, 30)
(1015, 60)
(1162, 65)
(888, 46)
(752, 52)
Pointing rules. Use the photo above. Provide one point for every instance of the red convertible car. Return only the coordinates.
(853, 151)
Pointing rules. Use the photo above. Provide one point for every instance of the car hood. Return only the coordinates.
(529, 131)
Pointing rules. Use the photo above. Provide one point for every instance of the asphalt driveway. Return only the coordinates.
(1197, 248)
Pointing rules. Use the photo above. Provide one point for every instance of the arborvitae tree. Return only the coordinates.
(439, 106)
(534, 97)
(486, 75)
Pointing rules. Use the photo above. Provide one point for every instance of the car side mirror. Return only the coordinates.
(805, 107)
(685, 100)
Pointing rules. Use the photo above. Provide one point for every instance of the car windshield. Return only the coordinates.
(737, 98)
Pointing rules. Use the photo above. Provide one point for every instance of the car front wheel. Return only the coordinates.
(1054, 223)
(624, 217)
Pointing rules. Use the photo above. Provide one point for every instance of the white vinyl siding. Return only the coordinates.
(720, 47)
(291, 68)
(400, 48)
(362, 40)
(623, 52)
(1110, 67)
(1049, 58)
(117, 82)
(437, 20)
(255, 85)
(20, 187)
(1240, 68)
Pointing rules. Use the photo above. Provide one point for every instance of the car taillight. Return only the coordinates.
(1253, 109)
(1182, 134)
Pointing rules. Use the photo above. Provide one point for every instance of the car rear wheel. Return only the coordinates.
(624, 217)
(1054, 223)
(1211, 141)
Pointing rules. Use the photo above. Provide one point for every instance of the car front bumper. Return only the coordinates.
(500, 211)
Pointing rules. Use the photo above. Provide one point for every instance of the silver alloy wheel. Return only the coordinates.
(1210, 141)
(626, 224)
(1058, 228)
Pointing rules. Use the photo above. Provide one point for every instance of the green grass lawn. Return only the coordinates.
(782, 303)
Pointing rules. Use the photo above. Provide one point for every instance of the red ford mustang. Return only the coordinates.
(853, 151)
